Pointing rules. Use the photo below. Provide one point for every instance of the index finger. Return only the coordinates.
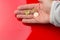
(27, 6)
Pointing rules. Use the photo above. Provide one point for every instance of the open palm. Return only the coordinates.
(42, 17)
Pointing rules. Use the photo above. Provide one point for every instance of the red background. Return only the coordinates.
(12, 29)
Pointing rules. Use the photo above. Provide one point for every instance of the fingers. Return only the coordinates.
(25, 16)
(18, 12)
(22, 12)
(29, 21)
(40, 1)
(27, 6)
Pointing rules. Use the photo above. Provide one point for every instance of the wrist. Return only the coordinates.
(49, 19)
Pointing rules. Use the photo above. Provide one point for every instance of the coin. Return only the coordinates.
(36, 14)
(27, 12)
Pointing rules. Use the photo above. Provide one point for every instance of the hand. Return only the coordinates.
(43, 16)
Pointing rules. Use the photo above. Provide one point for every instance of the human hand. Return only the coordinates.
(42, 16)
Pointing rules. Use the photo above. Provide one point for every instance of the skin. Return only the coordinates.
(43, 8)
